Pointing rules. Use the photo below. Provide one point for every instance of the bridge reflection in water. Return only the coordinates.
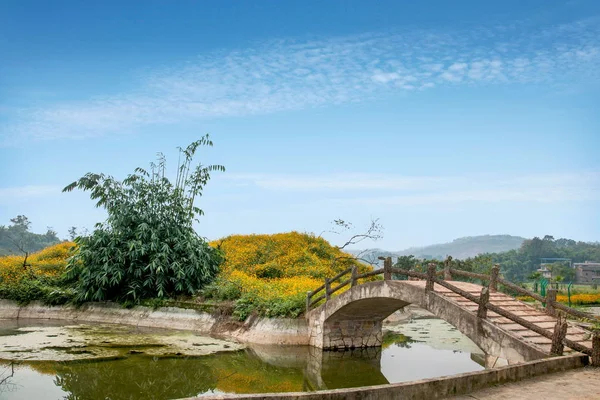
(399, 359)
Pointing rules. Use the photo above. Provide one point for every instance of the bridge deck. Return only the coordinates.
(524, 310)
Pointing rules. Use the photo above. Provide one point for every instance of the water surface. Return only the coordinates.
(137, 373)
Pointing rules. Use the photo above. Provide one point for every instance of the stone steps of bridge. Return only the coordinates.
(539, 340)
(546, 348)
(514, 327)
(503, 302)
(546, 325)
(498, 319)
(527, 311)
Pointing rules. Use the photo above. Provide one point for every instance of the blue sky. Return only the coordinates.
(442, 119)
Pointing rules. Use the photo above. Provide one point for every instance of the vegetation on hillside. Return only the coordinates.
(270, 274)
(17, 238)
(517, 265)
(520, 265)
(42, 278)
(147, 247)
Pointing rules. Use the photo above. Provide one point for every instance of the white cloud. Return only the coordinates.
(378, 189)
(450, 77)
(385, 77)
(291, 75)
(341, 182)
(458, 67)
(26, 192)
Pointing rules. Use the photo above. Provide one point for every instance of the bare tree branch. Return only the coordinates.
(374, 232)
(5, 380)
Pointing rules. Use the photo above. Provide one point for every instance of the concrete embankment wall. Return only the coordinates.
(427, 389)
(254, 330)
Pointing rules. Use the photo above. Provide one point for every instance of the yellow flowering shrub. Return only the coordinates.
(283, 255)
(11, 268)
(49, 262)
(270, 274)
(580, 299)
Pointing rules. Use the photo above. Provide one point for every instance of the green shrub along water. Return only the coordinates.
(147, 247)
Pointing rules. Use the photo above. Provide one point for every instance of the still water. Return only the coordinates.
(139, 371)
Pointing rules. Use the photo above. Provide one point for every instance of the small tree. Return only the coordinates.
(73, 233)
(147, 247)
(20, 236)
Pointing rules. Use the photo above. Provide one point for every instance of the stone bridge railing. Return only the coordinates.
(445, 276)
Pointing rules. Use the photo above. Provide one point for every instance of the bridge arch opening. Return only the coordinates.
(371, 308)
(359, 323)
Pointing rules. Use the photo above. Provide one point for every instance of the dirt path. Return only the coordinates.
(571, 385)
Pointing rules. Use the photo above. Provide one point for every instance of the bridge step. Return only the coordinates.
(524, 310)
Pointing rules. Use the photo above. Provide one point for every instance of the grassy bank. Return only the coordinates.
(265, 275)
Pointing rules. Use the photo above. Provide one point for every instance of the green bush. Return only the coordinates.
(250, 303)
(28, 290)
(147, 248)
(222, 289)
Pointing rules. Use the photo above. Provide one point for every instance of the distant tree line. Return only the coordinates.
(18, 239)
(521, 265)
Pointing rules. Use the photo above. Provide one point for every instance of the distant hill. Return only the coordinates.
(461, 248)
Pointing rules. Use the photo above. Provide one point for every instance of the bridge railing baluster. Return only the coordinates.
(387, 269)
(430, 277)
(447, 272)
(550, 300)
(308, 297)
(560, 332)
(484, 299)
(596, 349)
(493, 285)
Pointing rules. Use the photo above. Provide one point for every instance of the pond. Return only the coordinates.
(131, 363)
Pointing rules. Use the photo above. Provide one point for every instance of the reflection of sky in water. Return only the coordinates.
(437, 333)
(438, 349)
(28, 384)
(421, 361)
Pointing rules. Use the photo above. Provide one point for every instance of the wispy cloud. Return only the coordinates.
(373, 189)
(19, 193)
(291, 75)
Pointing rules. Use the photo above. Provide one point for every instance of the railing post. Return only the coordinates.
(327, 289)
(494, 278)
(387, 269)
(550, 299)
(354, 276)
(560, 332)
(430, 277)
(596, 349)
(308, 296)
(447, 274)
(484, 299)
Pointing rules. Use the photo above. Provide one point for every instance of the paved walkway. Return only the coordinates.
(577, 384)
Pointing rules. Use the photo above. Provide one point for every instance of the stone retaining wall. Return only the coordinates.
(427, 389)
(284, 331)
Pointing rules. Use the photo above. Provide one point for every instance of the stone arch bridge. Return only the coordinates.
(500, 325)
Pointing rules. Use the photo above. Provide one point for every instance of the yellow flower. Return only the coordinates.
(282, 266)
(49, 262)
